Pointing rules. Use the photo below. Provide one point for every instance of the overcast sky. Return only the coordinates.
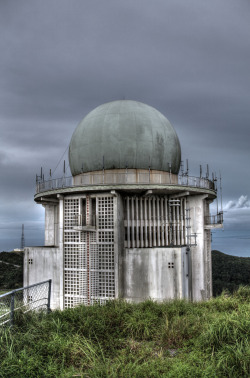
(190, 59)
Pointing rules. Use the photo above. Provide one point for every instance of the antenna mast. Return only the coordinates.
(221, 193)
(22, 238)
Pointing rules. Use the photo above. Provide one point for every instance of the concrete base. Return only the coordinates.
(41, 264)
(156, 273)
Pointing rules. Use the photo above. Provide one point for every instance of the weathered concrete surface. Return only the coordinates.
(126, 176)
(51, 225)
(41, 264)
(199, 253)
(155, 273)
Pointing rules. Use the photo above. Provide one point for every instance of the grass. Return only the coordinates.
(171, 339)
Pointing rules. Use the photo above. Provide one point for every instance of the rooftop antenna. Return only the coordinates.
(22, 238)
(200, 171)
(187, 166)
(64, 168)
(182, 169)
(207, 174)
(221, 193)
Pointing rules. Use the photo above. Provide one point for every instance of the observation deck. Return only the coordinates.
(125, 179)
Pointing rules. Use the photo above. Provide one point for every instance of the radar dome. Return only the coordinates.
(124, 134)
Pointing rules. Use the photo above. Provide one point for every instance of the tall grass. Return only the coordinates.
(171, 339)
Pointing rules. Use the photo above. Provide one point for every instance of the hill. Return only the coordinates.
(11, 270)
(119, 339)
(229, 272)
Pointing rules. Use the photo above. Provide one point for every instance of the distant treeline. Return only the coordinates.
(11, 276)
(229, 272)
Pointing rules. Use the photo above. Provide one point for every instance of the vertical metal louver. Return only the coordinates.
(154, 221)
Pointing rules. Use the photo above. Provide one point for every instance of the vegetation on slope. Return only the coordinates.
(229, 272)
(172, 339)
(11, 276)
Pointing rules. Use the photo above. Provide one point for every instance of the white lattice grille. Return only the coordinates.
(106, 212)
(89, 274)
(105, 238)
(71, 211)
(71, 237)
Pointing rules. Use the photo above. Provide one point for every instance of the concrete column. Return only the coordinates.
(49, 234)
(198, 281)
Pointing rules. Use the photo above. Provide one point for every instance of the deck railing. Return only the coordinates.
(25, 299)
(214, 219)
(123, 178)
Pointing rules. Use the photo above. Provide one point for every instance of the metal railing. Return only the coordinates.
(81, 220)
(214, 219)
(25, 299)
(123, 178)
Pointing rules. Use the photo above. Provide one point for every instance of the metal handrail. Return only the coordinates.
(214, 219)
(97, 179)
(28, 297)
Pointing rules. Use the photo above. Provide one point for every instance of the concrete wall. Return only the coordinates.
(155, 273)
(199, 253)
(41, 264)
(125, 176)
(51, 225)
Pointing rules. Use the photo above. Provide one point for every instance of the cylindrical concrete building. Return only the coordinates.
(126, 224)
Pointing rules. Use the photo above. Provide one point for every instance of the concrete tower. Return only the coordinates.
(126, 224)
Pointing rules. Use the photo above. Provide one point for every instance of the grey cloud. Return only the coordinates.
(61, 59)
(241, 203)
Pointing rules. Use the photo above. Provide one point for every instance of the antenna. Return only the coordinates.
(22, 238)
(182, 169)
(207, 174)
(200, 171)
(187, 167)
(64, 167)
(221, 193)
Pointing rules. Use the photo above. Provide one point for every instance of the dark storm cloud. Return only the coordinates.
(60, 59)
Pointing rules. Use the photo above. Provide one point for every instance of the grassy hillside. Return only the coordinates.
(229, 272)
(174, 339)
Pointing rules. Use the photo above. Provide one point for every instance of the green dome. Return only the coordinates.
(124, 134)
